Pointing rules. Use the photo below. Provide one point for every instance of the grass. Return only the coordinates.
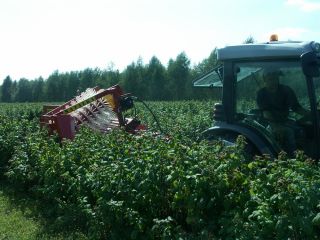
(21, 217)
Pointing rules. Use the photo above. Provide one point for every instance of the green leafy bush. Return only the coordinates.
(150, 186)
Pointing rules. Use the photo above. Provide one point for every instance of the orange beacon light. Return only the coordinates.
(273, 37)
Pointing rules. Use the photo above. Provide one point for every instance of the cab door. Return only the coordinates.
(250, 80)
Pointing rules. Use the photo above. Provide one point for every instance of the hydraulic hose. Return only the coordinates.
(152, 113)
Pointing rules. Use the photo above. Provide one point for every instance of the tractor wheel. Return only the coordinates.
(230, 138)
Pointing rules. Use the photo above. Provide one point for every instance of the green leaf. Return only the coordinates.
(316, 220)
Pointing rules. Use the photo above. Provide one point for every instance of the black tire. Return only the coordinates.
(230, 139)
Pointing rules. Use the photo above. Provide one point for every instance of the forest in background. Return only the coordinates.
(151, 81)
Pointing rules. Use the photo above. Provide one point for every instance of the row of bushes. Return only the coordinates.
(146, 186)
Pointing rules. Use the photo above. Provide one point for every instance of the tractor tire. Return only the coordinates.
(230, 139)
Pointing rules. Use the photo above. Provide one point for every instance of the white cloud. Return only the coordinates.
(304, 5)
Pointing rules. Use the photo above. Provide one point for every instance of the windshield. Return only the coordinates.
(250, 79)
(213, 78)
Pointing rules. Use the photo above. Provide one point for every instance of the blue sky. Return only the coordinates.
(41, 36)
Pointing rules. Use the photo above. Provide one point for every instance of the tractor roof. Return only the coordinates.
(266, 50)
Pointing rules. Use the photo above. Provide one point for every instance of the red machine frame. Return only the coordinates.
(66, 119)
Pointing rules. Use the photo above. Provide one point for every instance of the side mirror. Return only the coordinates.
(310, 64)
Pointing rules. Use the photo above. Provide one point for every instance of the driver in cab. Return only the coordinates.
(275, 100)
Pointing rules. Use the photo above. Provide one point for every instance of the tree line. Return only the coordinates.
(151, 81)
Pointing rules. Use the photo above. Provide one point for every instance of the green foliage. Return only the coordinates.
(178, 76)
(152, 81)
(249, 40)
(151, 186)
(19, 218)
(6, 91)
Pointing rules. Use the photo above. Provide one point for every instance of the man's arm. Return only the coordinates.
(295, 105)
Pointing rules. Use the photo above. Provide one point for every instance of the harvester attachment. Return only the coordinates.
(99, 109)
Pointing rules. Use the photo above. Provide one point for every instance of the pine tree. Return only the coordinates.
(6, 95)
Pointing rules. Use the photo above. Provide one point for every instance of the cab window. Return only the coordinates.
(282, 116)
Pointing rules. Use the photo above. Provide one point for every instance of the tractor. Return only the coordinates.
(240, 75)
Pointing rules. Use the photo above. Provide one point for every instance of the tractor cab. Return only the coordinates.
(270, 95)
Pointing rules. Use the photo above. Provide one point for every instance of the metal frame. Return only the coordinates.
(85, 108)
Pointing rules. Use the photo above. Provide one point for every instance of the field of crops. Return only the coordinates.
(146, 186)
